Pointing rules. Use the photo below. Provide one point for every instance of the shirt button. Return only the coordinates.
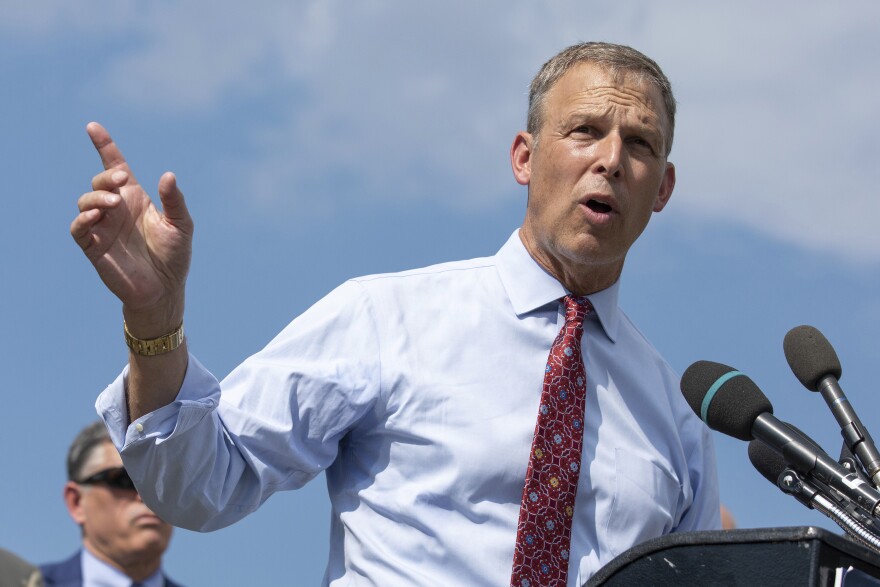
(139, 427)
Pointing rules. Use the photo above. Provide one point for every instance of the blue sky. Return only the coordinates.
(316, 141)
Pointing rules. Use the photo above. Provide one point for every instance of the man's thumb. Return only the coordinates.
(173, 204)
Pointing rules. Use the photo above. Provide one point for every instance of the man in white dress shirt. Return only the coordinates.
(418, 392)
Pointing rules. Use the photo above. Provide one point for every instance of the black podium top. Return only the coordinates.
(783, 557)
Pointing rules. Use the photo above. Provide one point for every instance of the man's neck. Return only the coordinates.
(137, 569)
(579, 278)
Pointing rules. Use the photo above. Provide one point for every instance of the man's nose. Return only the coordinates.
(608, 153)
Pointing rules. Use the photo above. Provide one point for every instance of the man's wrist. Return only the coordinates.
(156, 321)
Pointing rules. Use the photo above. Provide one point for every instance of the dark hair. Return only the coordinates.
(616, 59)
(85, 443)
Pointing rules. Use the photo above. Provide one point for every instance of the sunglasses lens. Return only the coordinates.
(119, 479)
(115, 478)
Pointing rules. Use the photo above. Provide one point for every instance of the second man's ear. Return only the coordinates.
(73, 500)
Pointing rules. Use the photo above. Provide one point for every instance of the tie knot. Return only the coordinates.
(576, 308)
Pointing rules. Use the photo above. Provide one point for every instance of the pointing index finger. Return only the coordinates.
(110, 154)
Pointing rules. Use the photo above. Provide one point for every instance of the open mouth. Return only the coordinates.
(599, 207)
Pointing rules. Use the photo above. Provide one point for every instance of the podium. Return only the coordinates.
(768, 557)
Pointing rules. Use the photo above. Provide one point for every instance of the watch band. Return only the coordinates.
(154, 346)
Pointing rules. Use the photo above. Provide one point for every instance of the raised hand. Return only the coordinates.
(141, 253)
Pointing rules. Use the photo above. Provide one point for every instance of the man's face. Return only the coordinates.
(596, 174)
(117, 527)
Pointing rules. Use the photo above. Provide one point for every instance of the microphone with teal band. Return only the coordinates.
(704, 408)
(730, 402)
(724, 398)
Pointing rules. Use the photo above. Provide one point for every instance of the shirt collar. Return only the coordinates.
(529, 286)
(97, 573)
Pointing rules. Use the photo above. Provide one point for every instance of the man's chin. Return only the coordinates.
(150, 543)
(148, 520)
(152, 532)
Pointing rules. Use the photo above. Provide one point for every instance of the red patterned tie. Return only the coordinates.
(543, 535)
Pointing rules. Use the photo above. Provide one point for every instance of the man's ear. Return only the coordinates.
(666, 187)
(73, 495)
(521, 157)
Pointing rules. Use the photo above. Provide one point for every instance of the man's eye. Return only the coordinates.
(640, 142)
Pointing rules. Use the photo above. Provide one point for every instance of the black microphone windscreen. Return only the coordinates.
(766, 460)
(810, 356)
(769, 462)
(724, 398)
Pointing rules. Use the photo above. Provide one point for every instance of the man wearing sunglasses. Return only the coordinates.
(122, 539)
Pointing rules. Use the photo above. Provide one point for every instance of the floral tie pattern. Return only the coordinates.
(543, 535)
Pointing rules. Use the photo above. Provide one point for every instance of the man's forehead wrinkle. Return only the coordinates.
(586, 105)
(574, 100)
(624, 95)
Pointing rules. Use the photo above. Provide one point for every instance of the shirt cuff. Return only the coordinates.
(197, 397)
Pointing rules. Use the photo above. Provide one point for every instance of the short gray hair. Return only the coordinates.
(616, 59)
(85, 443)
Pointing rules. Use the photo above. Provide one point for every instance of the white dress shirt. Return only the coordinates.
(417, 393)
(97, 573)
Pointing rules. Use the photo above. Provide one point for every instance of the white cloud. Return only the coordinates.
(37, 21)
(414, 101)
(777, 128)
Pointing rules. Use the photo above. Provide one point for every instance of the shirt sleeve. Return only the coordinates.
(222, 448)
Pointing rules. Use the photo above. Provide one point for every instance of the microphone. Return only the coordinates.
(772, 466)
(813, 361)
(729, 402)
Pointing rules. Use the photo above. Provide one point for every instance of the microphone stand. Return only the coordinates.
(792, 483)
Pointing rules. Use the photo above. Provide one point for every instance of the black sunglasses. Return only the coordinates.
(116, 478)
